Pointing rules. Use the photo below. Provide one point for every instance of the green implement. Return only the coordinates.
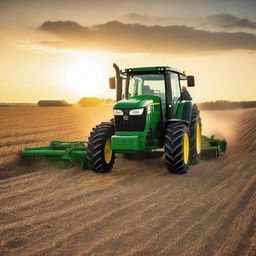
(76, 151)
(70, 152)
(211, 147)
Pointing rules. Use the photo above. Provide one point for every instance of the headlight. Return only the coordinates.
(118, 112)
(136, 112)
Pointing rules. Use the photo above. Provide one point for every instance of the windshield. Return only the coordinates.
(147, 84)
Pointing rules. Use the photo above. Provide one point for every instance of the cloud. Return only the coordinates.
(118, 37)
(230, 21)
(220, 21)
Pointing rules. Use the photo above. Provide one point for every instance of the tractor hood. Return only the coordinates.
(139, 101)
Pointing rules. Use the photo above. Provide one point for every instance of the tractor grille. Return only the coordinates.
(134, 123)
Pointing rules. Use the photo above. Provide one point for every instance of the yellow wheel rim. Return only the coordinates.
(108, 151)
(198, 138)
(185, 148)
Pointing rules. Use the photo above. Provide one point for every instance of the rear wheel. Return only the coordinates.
(100, 156)
(177, 147)
(195, 130)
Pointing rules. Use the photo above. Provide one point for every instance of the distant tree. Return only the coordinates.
(89, 102)
(109, 101)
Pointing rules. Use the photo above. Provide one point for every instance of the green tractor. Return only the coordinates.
(151, 116)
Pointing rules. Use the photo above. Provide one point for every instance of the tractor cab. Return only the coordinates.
(160, 84)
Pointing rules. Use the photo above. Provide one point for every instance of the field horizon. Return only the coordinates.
(205, 105)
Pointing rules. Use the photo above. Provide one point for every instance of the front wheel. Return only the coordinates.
(100, 156)
(177, 147)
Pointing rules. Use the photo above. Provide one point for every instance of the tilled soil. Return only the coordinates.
(139, 208)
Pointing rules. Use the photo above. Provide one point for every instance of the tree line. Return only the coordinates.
(224, 104)
(93, 101)
(209, 105)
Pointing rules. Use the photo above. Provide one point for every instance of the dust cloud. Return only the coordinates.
(220, 123)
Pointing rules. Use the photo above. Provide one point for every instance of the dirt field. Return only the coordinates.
(139, 208)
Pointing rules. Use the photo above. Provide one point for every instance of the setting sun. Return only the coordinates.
(86, 74)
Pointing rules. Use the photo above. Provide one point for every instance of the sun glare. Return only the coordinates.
(87, 75)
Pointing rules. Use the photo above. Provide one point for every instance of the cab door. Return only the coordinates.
(175, 92)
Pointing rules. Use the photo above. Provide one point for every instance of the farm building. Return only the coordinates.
(53, 103)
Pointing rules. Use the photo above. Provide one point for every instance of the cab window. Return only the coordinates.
(147, 84)
(175, 84)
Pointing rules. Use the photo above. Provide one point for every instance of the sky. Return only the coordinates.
(64, 49)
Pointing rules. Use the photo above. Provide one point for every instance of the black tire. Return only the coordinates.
(100, 160)
(176, 159)
(195, 136)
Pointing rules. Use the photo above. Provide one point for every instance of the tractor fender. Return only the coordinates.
(187, 111)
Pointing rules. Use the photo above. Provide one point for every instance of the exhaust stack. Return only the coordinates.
(119, 80)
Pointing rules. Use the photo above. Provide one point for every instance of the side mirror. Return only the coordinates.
(191, 81)
(112, 83)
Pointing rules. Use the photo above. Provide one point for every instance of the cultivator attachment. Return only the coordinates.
(211, 147)
(75, 152)
(69, 152)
